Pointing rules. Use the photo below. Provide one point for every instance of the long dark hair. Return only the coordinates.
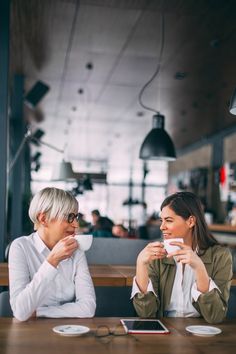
(186, 204)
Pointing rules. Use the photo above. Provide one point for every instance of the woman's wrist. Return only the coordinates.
(141, 262)
(53, 261)
(202, 279)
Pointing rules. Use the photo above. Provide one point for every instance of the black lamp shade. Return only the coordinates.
(157, 145)
(87, 184)
(232, 105)
(35, 95)
(36, 136)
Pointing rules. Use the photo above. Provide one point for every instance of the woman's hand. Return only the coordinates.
(62, 250)
(187, 256)
(154, 250)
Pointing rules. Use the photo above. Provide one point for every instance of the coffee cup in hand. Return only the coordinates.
(84, 241)
(172, 248)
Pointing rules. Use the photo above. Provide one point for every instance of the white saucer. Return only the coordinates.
(205, 331)
(71, 330)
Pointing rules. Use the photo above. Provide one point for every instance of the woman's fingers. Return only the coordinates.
(183, 249)
(157, 250)
(152, 251)
(155, 244)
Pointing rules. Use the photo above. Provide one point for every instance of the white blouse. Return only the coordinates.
(35, 285)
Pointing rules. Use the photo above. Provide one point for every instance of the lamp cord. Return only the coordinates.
(140, 96)
(47, 144)
(28, 136)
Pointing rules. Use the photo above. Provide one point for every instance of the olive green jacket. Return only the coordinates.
(212, 305)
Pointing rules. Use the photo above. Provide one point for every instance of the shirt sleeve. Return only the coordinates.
(136, 290)
(26, 295)
(196, 293)
(85, 302)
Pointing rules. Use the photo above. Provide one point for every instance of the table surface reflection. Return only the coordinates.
(36, 336)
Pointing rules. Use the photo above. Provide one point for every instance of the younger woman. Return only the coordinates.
(190, 282)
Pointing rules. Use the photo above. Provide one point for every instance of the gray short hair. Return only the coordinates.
(54, 202)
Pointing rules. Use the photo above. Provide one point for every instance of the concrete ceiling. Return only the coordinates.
(96, 56)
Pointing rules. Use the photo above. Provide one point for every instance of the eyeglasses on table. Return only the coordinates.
(105, 331)
(105, 334)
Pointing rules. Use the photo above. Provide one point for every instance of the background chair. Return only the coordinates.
(7, 252)
(114, 251)
(232, 303)
(114, 302)
(5, 307)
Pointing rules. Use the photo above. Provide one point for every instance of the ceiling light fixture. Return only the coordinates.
(232, 105)
(32, 138)
(87, 183)
(78, 190)
(63, 171)
(157, 145)
(37, 92)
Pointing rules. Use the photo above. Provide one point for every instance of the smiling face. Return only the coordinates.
(174, 226)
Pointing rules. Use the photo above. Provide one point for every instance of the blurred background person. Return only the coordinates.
(121, 231)
(151, 229)
(102, 225)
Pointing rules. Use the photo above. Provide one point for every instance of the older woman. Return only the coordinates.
(192, 281)
(48, 274)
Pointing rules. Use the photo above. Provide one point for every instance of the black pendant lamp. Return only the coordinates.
(158, 145)
(87, 183)
(232, 105)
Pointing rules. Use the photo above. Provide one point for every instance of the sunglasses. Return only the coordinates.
(71, 217)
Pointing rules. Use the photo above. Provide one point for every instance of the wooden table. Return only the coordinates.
(225, 228)
(102, 275)
(112, 275)
(225, 234)
(36, 336)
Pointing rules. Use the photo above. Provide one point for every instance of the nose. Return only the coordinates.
(162, 226)
(75, 223)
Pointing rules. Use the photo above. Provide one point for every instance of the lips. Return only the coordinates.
(70, 233)
(166, 236)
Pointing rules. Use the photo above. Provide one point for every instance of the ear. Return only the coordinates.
(42, 219)
(191, 221)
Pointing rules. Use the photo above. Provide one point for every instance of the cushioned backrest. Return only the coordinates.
(114, 302)
(232, 303)
(115, 251)
(5, 308)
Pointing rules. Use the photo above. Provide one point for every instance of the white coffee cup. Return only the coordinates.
(172, 248)
(84, 241)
